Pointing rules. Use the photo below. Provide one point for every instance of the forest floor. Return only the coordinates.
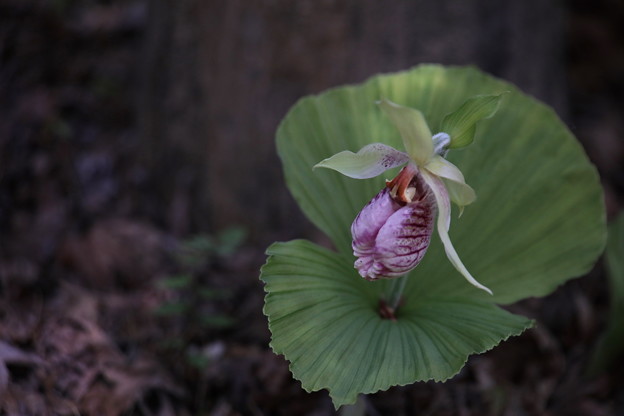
(103, 311)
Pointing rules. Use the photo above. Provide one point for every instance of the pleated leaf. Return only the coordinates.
(324, 319)
(539, 215)
(538, 220)
(611, 345)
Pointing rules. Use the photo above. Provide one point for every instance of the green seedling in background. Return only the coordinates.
(188, 306)
(538, 221)
(201, 249)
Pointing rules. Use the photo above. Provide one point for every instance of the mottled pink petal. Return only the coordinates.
(373, 216)
(389, 239)
(403, 240)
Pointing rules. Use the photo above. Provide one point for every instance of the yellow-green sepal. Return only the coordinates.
(413, 129)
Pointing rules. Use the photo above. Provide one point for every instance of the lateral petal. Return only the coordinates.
(443, 223)
(370, 161)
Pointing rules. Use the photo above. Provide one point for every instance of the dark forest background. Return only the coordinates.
(139, 187)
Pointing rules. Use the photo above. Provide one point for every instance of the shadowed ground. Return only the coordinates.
(139, 187)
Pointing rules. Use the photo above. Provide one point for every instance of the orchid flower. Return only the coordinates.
(393, 231)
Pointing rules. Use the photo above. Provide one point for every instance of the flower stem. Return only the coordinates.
(394, 292)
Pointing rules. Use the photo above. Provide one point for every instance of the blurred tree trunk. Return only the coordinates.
(218, 76)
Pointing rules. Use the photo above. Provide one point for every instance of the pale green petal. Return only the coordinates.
(444, 220)
(445, 169)
(460, 193)
(370, 161)
(413, 130)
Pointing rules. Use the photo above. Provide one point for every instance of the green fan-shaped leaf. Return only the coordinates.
(324, 319)
(539, 216)
(611, 344)
(538, 220)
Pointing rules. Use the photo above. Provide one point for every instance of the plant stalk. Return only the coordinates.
(395, 292)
